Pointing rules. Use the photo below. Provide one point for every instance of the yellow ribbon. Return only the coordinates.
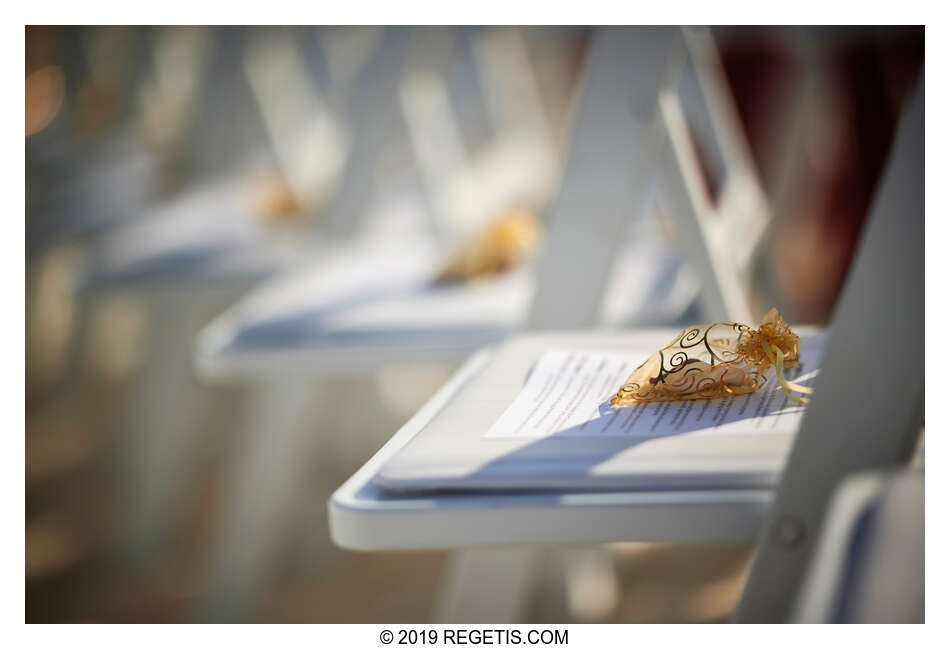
(778, 359)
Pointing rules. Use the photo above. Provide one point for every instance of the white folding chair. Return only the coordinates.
(879, 429)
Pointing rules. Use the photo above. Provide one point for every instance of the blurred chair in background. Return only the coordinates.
(82, 150)
(212, 243)
(188, 258)
(85, 171)
(377, 301)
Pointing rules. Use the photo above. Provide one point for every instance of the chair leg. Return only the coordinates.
(488, 585)
(591, 581)
(259, 501)
(156, 430)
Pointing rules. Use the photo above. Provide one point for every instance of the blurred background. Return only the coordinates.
(253, 253)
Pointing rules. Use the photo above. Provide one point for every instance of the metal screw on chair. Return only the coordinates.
(788, 531)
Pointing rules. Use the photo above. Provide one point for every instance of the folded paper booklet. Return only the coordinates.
(539, 416)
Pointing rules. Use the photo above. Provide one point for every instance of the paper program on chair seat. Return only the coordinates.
(538, 417)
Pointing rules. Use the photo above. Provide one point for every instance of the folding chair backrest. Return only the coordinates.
(648, 93)
(306, 137)
(606, 176)
(515, 166)
(867, 409)
(711, 187)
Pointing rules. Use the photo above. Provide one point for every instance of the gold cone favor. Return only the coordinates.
(712, 361)
(501, 246)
